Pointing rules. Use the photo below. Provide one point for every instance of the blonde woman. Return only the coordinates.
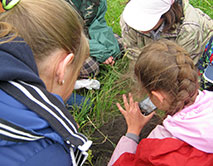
(42, 49)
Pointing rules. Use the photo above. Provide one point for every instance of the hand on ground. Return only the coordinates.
(134, 118)
(109, 61)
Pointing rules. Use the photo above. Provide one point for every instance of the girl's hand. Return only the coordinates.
(134, 118)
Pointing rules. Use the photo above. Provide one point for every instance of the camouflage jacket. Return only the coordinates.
(192, 34)
(87, 9)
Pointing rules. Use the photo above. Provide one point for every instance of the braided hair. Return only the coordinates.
(165, 66)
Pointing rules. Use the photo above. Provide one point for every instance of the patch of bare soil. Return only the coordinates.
(102, 148)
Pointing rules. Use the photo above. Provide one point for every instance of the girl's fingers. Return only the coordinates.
(150, 115)
(137, 106)
(131, 102)
(121, 109)
(109, 61)
(112, 62)
(119, 106)
(106, 61)
(126, 104)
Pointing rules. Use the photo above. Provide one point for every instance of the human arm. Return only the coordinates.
(135, 122)
(134, 118)
(124, 145)
(190, 38)
(195, 31)
(132, 40)
(34, 153)
(168, 151)
(102, 41)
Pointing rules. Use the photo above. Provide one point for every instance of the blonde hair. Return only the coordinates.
(46, 25)
(163, 65)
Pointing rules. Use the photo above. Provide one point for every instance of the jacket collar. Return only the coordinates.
(17, 63)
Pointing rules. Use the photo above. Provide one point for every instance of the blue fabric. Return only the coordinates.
(16, 113)
(78, 101)
(39, 153)
(17, 63)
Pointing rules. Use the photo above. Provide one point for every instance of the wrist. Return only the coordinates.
(134, 131)
(133, 137)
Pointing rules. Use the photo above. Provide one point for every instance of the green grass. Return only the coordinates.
(204, 5)
(112, 87)
(114, 10)
(104, 99)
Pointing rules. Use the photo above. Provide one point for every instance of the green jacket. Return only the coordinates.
(193, 34)
(102, 42)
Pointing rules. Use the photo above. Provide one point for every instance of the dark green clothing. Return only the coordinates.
(88, 9)
(102, 42)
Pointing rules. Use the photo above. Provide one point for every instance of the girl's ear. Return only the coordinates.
(62, 67)
(158, 95)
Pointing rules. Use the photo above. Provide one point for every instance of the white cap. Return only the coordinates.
(143, 15)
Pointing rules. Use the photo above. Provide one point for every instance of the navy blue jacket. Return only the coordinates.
(17, 63)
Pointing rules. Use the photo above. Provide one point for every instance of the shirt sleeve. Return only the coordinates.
(130, 39)
(160, 132)
(190, 38)
(125, 144)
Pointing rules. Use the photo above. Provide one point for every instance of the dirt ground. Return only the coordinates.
(102, 149)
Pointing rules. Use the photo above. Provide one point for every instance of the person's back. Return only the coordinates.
(33, 153)
(24, 152)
